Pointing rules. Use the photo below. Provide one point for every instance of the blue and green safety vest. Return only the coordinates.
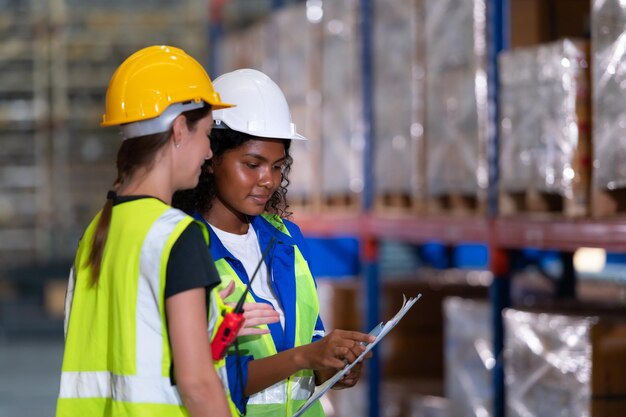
(296, 292)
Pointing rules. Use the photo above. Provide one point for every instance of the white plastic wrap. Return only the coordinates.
(609, 100)
(547, 364)
(456, 97)
(298, 76)
(342, 133)
(543, 93)
(399, 77)
(468, 357)
(249, 48)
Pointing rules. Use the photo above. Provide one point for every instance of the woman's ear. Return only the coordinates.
(179, 129)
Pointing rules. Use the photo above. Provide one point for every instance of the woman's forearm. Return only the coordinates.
(265, 372)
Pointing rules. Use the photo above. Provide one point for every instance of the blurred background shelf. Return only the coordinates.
(464, 149)
(560, 234)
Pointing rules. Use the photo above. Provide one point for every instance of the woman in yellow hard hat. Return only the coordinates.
(241, 197)
(142, 291)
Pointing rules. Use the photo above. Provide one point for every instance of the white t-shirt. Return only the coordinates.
(247, 250)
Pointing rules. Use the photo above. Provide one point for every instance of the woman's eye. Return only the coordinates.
(252, 165)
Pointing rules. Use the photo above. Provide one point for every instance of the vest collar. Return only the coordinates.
(262, 227)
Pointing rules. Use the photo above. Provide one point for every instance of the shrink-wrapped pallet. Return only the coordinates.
(298, 75)
(456, 98)
(547, 364)
(559, 364)
(609, 106)
(399, 76)
(253, 47)
(544, 128)
(469, 358)
(342, 133)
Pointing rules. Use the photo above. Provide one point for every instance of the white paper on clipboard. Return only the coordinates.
(379, 331)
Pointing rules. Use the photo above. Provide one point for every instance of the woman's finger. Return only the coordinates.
(256, 314)
(257, 306)
(257, 321)
(227, 291)
(252, 331)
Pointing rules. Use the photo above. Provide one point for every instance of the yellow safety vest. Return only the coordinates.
(286, 396)
(117, 355)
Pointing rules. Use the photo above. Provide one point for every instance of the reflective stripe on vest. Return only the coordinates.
(301, 385)
(301, 389)
(97, 322)
(103, 384)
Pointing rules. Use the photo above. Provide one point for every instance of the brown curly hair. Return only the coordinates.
(200, 199)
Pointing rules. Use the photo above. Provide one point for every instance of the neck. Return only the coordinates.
(151, 183)
(226, 218)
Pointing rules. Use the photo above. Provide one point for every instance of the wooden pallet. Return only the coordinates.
(350, 202)
(397, 203)
(539, 203)
(608, 203)
(456, 204)
(303, 204)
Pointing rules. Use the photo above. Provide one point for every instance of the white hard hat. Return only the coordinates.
(262, 109)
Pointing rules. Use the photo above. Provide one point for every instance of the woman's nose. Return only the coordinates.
(266, 179)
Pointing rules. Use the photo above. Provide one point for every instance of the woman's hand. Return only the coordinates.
(351, 378)
(255, 314)
(335, 350)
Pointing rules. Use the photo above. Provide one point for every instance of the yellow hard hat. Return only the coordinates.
(153, 79)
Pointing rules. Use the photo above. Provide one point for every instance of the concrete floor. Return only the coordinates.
(29, 376)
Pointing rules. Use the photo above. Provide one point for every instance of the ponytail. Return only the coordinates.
(100, 238)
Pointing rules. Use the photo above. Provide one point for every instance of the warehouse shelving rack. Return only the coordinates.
(372, 228)
(87, 41)
(502, 235)
(24, 195)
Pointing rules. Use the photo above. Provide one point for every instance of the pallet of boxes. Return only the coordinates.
(564, 363)
(609, 108)
(545, 136)
(399, 106)
(456, 107)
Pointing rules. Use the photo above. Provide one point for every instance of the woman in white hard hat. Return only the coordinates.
(241, 197)
(142, 291)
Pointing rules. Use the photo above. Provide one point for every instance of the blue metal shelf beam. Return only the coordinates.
(369, 243)
(498, 32)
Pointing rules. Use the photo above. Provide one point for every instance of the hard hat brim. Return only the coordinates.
(221, 106)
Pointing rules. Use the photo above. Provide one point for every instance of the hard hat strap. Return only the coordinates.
(158, 124)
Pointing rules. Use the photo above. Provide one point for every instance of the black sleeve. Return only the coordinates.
(190, 264)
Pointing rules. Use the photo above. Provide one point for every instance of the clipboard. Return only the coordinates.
(379, 331)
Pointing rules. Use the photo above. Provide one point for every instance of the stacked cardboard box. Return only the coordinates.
(540, 21)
